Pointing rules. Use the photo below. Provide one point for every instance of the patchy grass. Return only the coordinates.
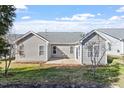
(120, 62)
(50, 74)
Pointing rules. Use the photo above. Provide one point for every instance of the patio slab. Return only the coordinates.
(62, 61)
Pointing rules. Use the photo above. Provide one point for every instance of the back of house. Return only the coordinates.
(42, 46)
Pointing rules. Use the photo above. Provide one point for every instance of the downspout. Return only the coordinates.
(123, 46)
(80, 51)
(106, 53)
(81, 54)
(123, 50)
(47, 51)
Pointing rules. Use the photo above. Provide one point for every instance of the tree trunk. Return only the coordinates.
(94, 70)
(6, 70)
(7, 64)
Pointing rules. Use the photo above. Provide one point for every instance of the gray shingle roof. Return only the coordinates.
(62, 37)
(117, 33)
(54, 37)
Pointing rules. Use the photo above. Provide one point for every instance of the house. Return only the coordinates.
(42, 46)
(104, 42)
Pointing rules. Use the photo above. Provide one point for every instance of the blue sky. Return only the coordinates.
(67, 17)
(50, 12)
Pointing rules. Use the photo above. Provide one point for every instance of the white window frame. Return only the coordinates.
(40, 50)
(21, 51)
(91, 53)
(96, 54)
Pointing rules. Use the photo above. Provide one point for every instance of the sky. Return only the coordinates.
(67, 18)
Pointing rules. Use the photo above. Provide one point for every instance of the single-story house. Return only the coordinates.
(95, 45)
(42, 46)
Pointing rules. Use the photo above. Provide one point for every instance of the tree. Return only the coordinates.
(7, 16)
(95, 54)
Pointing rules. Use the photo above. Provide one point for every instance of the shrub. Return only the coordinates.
(110, 58)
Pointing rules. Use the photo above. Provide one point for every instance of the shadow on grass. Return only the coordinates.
(63, 77)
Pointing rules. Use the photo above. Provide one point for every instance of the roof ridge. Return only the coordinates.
(117, 33)
(109, 29)
(60, 32)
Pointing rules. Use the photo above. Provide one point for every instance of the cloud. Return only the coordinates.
(65, 26)
(23, 7)
(116, 18)
(99, 14)
(25, 17)
(121, 9)
(51, 26)
(77, 17)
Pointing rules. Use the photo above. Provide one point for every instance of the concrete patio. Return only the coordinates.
(62, 61)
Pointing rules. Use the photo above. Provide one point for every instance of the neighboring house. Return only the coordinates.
(40, 47)
(109, 42)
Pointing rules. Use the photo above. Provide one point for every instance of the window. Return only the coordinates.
(54, 49)
(71, 50)
(96, 51)
(89, 52)
(93, 51)
(109, 46)
(41, 50)
(21, 50)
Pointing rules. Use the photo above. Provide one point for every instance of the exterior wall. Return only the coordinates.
(87, 60)
(115, 45)
(31, 49)
(62, 51)
(77, 51)
(81, 53)
(49, 51)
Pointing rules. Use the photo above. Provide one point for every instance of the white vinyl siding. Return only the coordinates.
(98, 48)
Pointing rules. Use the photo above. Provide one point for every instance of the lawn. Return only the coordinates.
(120, 82)
(36, 75)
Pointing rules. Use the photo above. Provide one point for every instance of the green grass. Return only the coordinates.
(120, 62)
(65, 75)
